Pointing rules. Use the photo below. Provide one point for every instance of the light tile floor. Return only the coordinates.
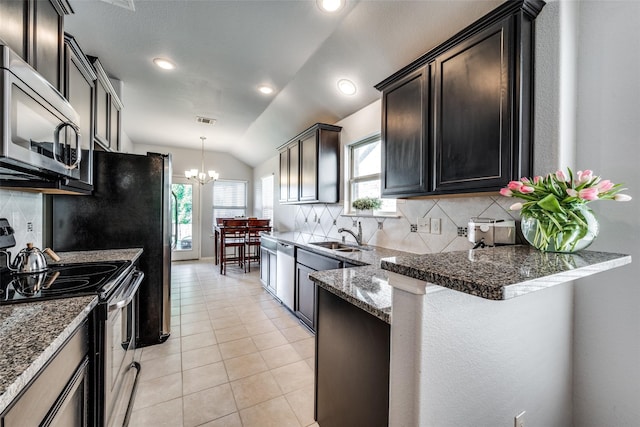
(236, 357)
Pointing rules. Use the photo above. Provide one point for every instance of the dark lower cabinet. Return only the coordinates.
(352, 365)
(60, 393)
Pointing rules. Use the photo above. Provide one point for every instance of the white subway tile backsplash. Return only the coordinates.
(21, 209)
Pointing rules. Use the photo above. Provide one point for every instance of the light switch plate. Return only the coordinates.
(435, 225)
(424, 225)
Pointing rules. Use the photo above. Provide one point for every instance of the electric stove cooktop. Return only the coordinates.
(60, 281)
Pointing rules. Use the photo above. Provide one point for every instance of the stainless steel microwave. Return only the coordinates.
(40, 143)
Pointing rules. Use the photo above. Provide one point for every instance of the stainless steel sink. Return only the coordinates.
(340, 247)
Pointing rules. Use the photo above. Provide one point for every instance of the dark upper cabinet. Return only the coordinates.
(108, 111)
(309, 166)
(405, 149)
(473, 90)
(474, 134)
(78, 88)
(34, 30)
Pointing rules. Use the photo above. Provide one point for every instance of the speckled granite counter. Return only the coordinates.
(364, 287)
(502, 272)
(30, 333)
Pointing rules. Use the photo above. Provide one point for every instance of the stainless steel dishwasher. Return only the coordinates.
(285, 274)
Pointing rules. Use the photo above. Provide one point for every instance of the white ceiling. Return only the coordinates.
(225, 49)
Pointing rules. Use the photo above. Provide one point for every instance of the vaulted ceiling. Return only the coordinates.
(223, 50)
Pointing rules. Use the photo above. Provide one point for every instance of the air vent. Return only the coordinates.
(205, 120)
(125, 4)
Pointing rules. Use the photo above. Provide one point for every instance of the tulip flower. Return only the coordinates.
(526, 189)
(516, 206)
(589, 194)
(604, 186)
(514, 185)
(506, 192)
(621, 198)
(571, 192)
(584, 176)
(560, 176)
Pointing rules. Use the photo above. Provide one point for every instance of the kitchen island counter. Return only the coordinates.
(31, 333)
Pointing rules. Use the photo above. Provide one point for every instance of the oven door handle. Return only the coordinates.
(138, 276)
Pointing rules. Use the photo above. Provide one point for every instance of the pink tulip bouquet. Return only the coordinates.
(554, 214)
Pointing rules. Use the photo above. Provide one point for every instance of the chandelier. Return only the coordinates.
(201, 177)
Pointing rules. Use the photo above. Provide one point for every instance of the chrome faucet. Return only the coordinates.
(358, 236)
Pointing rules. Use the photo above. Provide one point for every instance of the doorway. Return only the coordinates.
(186, 220)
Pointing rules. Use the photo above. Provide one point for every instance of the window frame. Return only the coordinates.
(214, 206)
(352, 181)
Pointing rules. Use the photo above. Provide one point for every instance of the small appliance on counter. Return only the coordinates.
(491, 232)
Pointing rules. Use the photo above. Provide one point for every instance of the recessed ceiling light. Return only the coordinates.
(267, 90)
(330, 5)
(347, 87)
(164, 63)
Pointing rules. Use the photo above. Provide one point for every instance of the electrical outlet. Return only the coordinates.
(463, 232)
(424, 225)
(518, 421)
(435, 225)
(29, 226)
(414, 228)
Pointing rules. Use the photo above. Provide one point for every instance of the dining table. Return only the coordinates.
(219, 226)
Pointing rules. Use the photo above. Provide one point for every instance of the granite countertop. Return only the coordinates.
(503, 272)
(365, 287)
(32, 332)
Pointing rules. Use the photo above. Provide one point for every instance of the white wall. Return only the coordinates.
(225, 164)
(607, 306)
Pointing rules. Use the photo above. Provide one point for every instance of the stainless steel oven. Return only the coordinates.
(121, 368)
(40, 137)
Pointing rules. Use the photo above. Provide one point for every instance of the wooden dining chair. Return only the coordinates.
(232, 235)
(252, 240)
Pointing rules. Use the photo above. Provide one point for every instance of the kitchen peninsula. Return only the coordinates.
(462, 346)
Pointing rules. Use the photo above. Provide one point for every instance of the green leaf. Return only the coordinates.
(550, 203)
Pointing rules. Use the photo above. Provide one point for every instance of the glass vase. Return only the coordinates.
(566, 232)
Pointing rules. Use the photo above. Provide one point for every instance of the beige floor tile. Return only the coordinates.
(285, 321)
(311, 361)
(200, 357)
(236, 348)
(231, 420)
(293, 376)
(196, 328)
(260, 327)
(306, 347)
(231, 334)
(165, 414)
(273, 312)
(166, 348)
(272, 413)
(296, 333)
(302, 403)
(226, 322)
(160, 367)
(158, 390)
(203, 377)
(245, 366)
(175, 320)
(223, 311)
(195, 308)
(192, 342)
(280, 356)
(208, 405)
(269, 340)
(198, 316)
(255, 389)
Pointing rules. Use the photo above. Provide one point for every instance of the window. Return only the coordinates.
(267, 197)
(229, 199)
(364, 172)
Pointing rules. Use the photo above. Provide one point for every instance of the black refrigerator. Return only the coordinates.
(129, 207)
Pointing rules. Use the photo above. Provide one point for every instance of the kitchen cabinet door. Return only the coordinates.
(101, 114)
(305, 296)
(114, 123)
(309, 168)
(48, 42)
(13, 25)
(473, 89)
(293, 194)
(405, 140)
(264, 267)
(284, 175)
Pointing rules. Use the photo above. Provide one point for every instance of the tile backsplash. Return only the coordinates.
(322, 221)
(23, 210)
